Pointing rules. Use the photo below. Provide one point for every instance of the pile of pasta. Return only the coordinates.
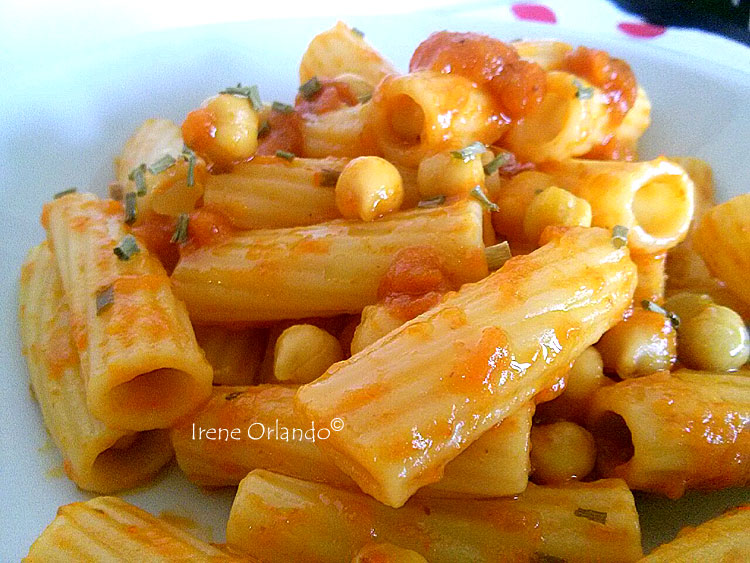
(440, 315)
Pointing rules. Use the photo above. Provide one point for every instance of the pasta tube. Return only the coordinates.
(140, 363)
(565, 124)
(416, 398)
(425, 112)
(724, 538)
(96, 458)
(154, 139)
(277, 518)
(110, 529)
(234, 354)
(723, 241)
(653, 199)
(339, 133)
(321, 270)
(270, 435)
(387, 553)
(668, 433)
(269, 192)
(342, 50)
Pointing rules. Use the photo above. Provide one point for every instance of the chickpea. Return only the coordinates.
(444, 174)
(555, 206)
(641, 345)
(224, 130)
(561, 452)
(715, 339)
(369, 187)
(686, 305)
(303, 353)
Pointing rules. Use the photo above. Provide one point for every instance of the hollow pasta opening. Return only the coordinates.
(661, 206)
(548, 121)
(406, 119)
(614, 442)
(158, 395)
(130, 460)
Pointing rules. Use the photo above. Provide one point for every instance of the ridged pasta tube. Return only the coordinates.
(416, 398)
(140, 362)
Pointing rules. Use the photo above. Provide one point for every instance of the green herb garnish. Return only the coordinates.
(478, 194)
(655, 308)
(582, 92)
(310, 88)
(328, 177)
(189, 156)
(358, 32)
(594, 515)
(436, 201)
(282, 107)
(130, 208)
(471, 152)
(104, 299)
(498, 162)
(181, 231)
(497, 255)
(166, 161)
(126, 248)
(264, 128)
(58, 195)
(364, 98)
(619, 236)
(286, 155)
(137, 175)
(249, 92)
(233, 395)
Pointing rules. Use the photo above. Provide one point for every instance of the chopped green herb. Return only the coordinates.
(130, 208)
(359, 32)
(126, 248)
(249, 92)
(594, 515)
(286, 155)
(364, 98)
(499, 161)
(281, 107)
(162, 164)
(654, 308)
(104, 299)
(471, 152)
(497, 255)
(58, 195)
(137, 175)
(436, 201)
(189, 155)
(180, 234)
(328, 177)
(478, 194)
(582, 92)
(310, 88)
(233, 395)
(264, 128)
(619, 236)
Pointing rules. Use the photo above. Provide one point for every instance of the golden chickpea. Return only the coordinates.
(224, 130)
(716, 339)
(555, 206)
(369, 187)
(643, 344)
(303, 353)
(686, 305)
(444, 174)
(561, 452)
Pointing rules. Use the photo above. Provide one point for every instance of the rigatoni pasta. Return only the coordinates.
(141, 365)
(95, 457)
(467, 363)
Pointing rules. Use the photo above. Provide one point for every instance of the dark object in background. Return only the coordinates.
(730, 18)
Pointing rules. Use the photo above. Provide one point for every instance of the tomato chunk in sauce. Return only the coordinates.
(517, 84)
(331, 96)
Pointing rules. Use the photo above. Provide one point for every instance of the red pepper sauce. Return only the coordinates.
(332, 95)
(414, 282)
(518, 85)
(285, 134)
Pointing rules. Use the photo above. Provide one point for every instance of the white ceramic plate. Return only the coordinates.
(61, 126)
